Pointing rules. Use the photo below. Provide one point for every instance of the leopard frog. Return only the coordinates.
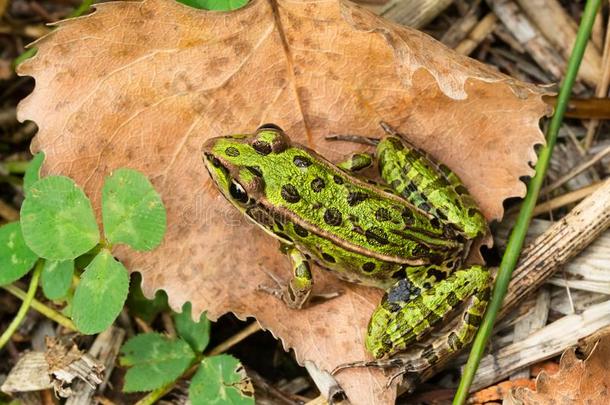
(408, 235)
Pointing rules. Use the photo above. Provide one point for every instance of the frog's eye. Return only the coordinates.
(269, 126)
(238, 192)
(270, 138)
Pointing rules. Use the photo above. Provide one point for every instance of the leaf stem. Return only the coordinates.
(40, 307)
(25, 305)
(517, 236)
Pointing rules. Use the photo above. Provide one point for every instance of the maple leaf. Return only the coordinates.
(143, 84)
(577, 381)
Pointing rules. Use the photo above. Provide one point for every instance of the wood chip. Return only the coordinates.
(547, 342)
(31, 373)
(68, 364)
(481, 31)
(529, 37)
(560, 30)
(414, 13)
(534, 320)
(105, 350)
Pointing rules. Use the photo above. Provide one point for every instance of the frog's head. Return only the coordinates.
(236, 163)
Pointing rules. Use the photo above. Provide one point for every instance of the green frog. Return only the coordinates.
(408, 235)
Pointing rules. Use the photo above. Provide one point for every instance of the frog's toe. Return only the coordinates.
(284, 292)
(379, 363)
(276, 292)
(353, 364)
(278, 282)
(325, 296)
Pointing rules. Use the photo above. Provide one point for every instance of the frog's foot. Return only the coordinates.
(294, 300)
(283, 292)
(408, 366)
(296, 293)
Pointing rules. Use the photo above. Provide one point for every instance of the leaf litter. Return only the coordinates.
(143, 84)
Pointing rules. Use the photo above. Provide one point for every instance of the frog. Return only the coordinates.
(408, 234)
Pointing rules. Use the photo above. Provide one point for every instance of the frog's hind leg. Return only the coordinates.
(450, 342)
(403, 319)
(296, 293)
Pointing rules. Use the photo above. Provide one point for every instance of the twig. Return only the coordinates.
(104, 349)
(326, 383)
(532, 321)
(601, 89)
(528, 35)
(143, 325)
(547, 342)
(501, 32)
(319, 400)
(575, 171)
(565, 199)
(25, 305)
(235, 339)
(560, 30)
(557, 245)
(593, 107)
(8, 116)
(460, 28)
(41, 308)
(168, 325)
(414, 13)
(8, 212)
(477, 35)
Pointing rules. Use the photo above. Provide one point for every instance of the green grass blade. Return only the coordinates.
(517, 236)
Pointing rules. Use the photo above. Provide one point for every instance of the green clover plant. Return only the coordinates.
(58, 229)
(156, 361)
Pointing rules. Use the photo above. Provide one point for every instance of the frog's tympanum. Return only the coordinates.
(408, 236)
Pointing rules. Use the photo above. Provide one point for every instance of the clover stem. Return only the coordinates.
(25, 305)
(41, 308)
(517, 236)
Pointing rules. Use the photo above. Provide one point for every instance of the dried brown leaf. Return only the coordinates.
(143, 84)
(578, 382)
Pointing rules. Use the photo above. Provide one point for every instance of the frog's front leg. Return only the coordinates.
(296, 293)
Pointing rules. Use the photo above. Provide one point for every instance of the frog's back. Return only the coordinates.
(306, 191)
(346, 224)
